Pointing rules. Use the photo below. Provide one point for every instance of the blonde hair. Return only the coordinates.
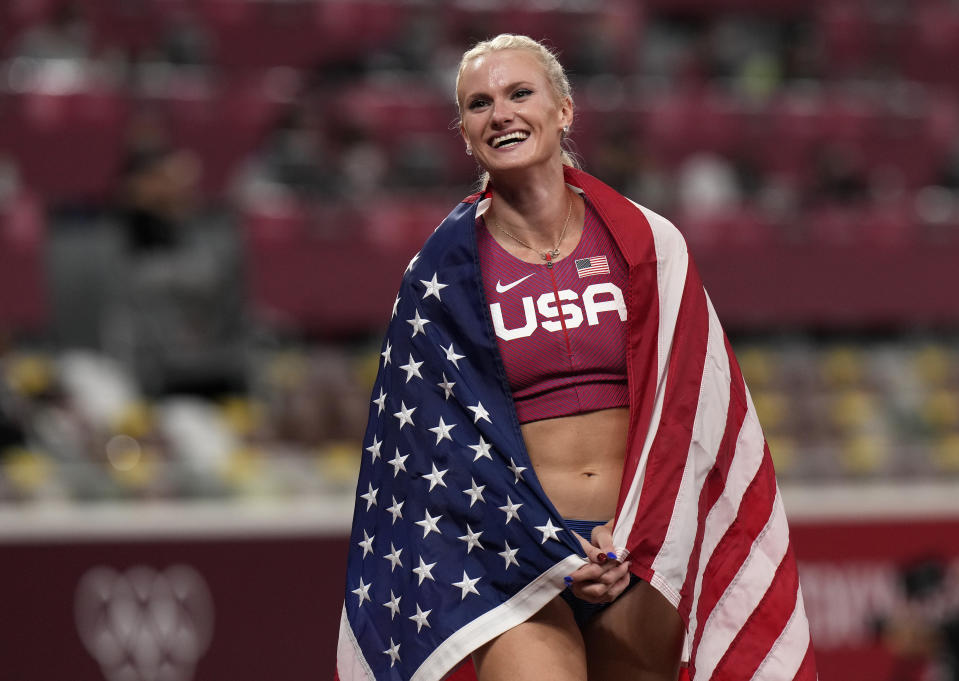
(547, 58)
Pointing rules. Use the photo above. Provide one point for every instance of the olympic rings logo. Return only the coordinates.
(142, 624)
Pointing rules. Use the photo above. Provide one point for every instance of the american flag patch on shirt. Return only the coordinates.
(589, 266)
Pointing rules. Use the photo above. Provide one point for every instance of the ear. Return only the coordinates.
(566, 113)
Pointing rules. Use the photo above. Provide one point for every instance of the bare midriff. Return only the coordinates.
(579, 460)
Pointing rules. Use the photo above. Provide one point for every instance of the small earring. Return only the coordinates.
(469, 151)
(565, 131)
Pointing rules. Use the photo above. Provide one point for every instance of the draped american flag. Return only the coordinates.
(454, 541)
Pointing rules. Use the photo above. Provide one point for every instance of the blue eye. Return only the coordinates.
(522, 93)
(476, 103)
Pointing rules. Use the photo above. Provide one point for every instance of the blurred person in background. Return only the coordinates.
(294, 161)
(179, 321)
(609, 470)
(923, 634)
(65, 36)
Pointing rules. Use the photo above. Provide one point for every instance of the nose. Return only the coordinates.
(502, 113)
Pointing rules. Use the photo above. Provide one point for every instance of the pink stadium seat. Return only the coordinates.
(68, 146)
(847, 36)
(734, 227)
(294, 254)
(931, 50)
(223, 126)
(695, 121)
(23, 300)
(889, 225)
(796, 126)
(906, 143)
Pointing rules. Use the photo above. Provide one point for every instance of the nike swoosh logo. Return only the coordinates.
(503, 289)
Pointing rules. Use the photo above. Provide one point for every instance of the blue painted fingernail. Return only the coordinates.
(611, 555)
(568, 579)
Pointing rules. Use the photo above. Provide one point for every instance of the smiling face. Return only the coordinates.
(510, 115)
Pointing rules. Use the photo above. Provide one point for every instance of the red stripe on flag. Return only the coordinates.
(736, 544)
(715, 481)
(763, 626)
(667, 457)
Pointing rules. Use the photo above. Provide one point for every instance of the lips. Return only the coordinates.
(509, 139)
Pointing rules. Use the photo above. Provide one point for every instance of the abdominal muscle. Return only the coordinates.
(578, 460)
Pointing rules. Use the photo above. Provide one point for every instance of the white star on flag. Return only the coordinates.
(405, 415)
(452, 356)
(412, 262)
(380, 402)
(420, 618)
(516, 470)
(386, 353)
(548, 530)
(397, 462)
(442, 431)
(447, 386)
(433, 288)
(374, 448)
(479, 412)
(393, 604)
(395, 305)
(511, 510)
(412, 369)
(509, 555)
(428, 523)
(482, 449)
(436, 477)
(423, 571)
(396, 510)
(367, 543)
(394, 557)
(467, 585)
(471, 538)
(475, 492)
(370, 497)
(393, 652)
(418, 323)
(363, 592)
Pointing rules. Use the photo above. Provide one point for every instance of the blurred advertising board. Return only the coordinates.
(184, 592)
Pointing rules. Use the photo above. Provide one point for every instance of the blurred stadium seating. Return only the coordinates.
(809, 152)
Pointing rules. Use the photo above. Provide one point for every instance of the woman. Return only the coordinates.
(573, 338)
(513, 120)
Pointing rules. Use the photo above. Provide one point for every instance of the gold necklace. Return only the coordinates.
(545, 255)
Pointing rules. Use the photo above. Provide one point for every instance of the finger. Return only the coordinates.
(594, 554)
(611, 577)
(602, 540)
(587, 547)
(607, 587)
(607, 572)
(588, 573)
(599, 556)
(591, 592)
(623, 583)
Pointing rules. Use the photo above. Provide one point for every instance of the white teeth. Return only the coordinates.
(509, 137)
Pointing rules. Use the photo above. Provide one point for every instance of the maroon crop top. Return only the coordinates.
(561, 330)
